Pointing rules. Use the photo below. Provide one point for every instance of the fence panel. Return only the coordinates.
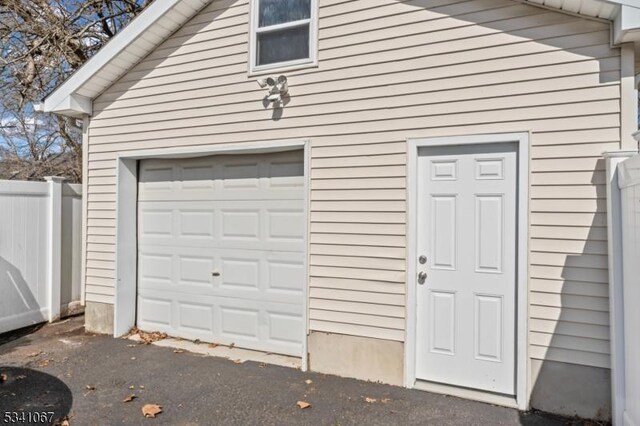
(40, 251)
(71, 271)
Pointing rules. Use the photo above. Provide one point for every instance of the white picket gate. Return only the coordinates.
(40, 251)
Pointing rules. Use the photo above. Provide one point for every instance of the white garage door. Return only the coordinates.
(221, 249)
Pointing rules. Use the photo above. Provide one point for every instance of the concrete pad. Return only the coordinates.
(99, 318)
(571, 389)
(362, 358)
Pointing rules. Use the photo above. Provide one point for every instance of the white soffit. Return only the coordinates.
(591, 8)
(162, 18)
(625, 14)
(147, 31)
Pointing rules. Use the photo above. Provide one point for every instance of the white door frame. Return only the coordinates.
(521, 400)
(127, 211)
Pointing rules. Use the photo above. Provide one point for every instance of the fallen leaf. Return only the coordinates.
(129, 398)
(370, 400)
(238, 361)
(90, 387)
(149, 337)
(385, 400)
(131, 387)
(178, 351)
(262, 365)
(141, 386)
(34, 354)
(44, 363)
(303, 404)
(213, 345)
(308, 381)
(64, 422)
(151, 410)
(3, 378)
(231, 345)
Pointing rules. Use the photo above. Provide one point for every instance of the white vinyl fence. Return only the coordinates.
(40, 251)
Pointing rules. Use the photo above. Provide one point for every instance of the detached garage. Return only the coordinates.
(222, 249)
(411, 192)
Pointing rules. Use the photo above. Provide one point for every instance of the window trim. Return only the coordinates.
(254, 30)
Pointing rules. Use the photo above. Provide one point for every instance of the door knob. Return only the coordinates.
(422, 277)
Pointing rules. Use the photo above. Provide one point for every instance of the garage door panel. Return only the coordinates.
(245, 323)
(264, 225)
(248, 274)
(281, 191)
(232, 177)
(221, 250)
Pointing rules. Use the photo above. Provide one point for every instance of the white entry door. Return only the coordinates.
(221, 249)
(466, 303)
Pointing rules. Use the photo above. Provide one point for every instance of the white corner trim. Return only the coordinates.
(628, 98)
(616, 311)
(85, 206)
(126, 220)
(307, 259)
(522, 397)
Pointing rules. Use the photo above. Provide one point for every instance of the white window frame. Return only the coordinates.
(254, 30)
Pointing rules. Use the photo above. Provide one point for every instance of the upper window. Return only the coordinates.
(283, 33)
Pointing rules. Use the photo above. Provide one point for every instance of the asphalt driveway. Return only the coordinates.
(87, 379)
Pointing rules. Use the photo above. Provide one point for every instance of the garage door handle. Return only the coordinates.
(215, 273)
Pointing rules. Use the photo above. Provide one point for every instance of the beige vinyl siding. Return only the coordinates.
(390, 70)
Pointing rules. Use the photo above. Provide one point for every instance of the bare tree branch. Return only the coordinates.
(42, 43)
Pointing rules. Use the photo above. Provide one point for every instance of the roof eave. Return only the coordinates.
(626, 25)
(65, 100)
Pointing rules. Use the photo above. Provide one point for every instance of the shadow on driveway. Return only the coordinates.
(32, 392)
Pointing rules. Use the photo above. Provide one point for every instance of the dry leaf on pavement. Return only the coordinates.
(238, 361)
(213, 345)
(3, 378)
(129, 398)
(178, 351)
(148, 338)
(370, 400)
(308, 381)
(303, 404)
(90, 387)
(150, 410)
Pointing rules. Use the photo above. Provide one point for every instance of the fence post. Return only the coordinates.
(54, 263)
